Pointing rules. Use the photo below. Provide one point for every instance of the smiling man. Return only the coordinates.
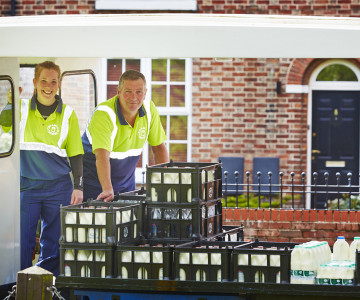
(115, 136)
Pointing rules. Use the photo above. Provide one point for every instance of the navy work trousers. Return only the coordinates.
(41, 199)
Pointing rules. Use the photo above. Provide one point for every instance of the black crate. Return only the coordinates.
(183, 221)
(202, 261)
(98, 222)
(267, 262)
(145, 260)
(132, 197)
(181, 182)
(86, 261)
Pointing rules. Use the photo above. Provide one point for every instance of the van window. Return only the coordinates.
(78, 90)
(6, 115)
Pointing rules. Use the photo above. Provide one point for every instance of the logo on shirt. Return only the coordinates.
(53, 129)
(142, 133)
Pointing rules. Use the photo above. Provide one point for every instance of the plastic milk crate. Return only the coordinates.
(202, 261)
(181, 182)
(144, 260)
(101, 223)
(87, 260)
(184, 221)
(132, 197)
(261, 262)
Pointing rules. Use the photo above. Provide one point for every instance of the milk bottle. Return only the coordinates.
(354, 245)
(296, 264)
(341, 249)
(309, 264)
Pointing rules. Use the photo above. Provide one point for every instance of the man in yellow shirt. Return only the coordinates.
(115, 136)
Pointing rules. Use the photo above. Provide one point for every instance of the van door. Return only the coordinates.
(9, 171)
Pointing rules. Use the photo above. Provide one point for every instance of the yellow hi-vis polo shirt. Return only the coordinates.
(108, 129)
(45, 145)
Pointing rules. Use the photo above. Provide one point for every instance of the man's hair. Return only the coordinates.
(131, 75)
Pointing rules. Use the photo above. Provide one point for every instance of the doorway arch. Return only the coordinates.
(334, 90)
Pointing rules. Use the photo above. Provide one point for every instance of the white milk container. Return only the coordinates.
(354, 245)
(296, 266)
(341, 249)
(309, 264)
(326, 252)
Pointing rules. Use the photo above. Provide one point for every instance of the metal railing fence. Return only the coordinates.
(293, 191)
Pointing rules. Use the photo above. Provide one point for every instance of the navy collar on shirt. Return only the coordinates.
(58, 109)
(120, 114)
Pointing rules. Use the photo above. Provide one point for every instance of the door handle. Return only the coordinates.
(315, 151)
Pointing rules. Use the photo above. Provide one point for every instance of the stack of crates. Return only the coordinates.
(90, 232)
(185, 201)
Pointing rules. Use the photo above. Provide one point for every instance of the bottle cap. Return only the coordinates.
(357, 238)
(341, 238)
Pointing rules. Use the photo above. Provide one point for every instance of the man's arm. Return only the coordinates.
(161, 154)
(104, 173)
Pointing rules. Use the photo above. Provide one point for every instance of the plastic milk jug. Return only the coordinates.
(341, 249)
(309, 264)
(296, 264)
(354, 245)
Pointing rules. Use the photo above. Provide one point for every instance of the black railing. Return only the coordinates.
(324, 192)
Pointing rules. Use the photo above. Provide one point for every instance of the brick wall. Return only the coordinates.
(237, 112)
(288, 225)
(48, 7)
(343, 8)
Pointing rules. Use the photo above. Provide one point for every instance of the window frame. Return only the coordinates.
(13, 131)
(143, 5)
(146, 69)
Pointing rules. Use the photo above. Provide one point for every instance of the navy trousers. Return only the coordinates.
(41, 199)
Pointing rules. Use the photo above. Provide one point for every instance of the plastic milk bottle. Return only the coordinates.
(341, 249)
(354, 245)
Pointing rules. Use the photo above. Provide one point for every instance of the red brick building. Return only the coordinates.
(248, 107)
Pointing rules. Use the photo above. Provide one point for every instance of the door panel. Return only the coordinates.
(9, 178)
(335, 136)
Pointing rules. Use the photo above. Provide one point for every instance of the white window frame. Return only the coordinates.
(183, 5)
(146, 69)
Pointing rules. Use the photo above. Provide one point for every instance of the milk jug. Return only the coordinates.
(341, 249)
(354, 245)
(296, 264)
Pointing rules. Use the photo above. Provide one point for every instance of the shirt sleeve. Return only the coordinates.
(100, 129)
(74, 145)
(156, 134)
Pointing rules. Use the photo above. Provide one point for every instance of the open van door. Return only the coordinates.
(9, 172)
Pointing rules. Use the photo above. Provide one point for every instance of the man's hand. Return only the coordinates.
(77, 197)
(107, 196)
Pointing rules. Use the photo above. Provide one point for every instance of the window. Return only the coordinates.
(336, 72)
(26, 81)
(189, 5)
(7, 116)
(169, 84)
(78, 90)
(171, 93)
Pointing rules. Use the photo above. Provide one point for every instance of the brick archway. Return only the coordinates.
(302, 68)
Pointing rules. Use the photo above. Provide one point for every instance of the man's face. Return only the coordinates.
(132, 96)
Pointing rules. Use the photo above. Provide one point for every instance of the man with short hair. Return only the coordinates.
(115, 137)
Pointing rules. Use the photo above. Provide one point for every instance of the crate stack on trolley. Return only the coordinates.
(172, 230)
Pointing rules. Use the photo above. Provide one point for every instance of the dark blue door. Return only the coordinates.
(335, 137)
